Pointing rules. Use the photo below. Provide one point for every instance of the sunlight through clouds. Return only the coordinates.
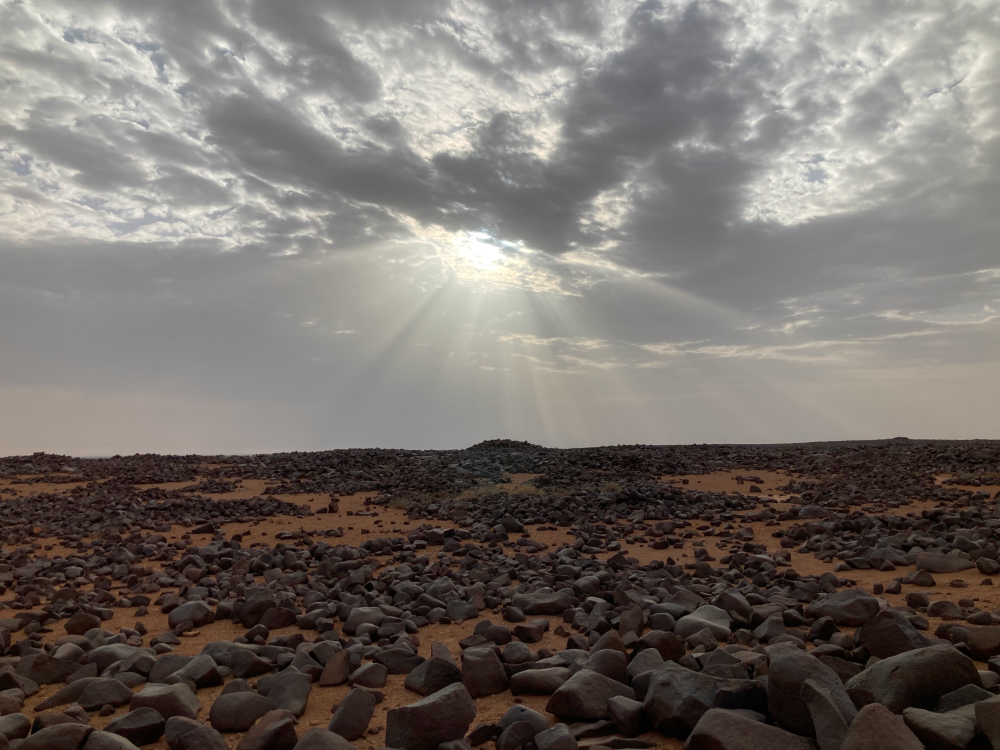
(446, 220)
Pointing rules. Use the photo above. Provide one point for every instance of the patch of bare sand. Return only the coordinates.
(739, 481)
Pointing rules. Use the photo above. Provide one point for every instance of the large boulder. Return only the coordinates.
(354, 713)
(431, 676)
(950, 731)
(81, 622)
(167, 700)
(544, 603)
(105, 656)
(237, 712)
(916, 679)
(337, 669)
(677, 697)
(483, 673)
(140, 727)
(200, 737)
(288, 690)
(717, 620)
(197, 612)
(539, 681)
(559, 737)
(68, 694)
(68, 736)
(719, 729)
(44, 669)
(440, 717)
(788, 671)
(830, 718)
(15, 726)
(935, 562)
(877, 728)
(318, 738)
(584, 696)
(107, 741)
(104, 692)
(274, 731)
(851, 607)
(889, 633)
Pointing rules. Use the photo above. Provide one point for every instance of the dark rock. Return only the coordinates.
(940, 731)
(107, 741)
(81, 622)
(917, 678)
(44, 669)
(517, 735)
(432, 675)
(667, 644)
(964, 696)
(199, 613)
(829, 715)
(69, 736)
(166, 665)
(984, 643)
(274, 731)
(483, 732)
(353, 715)
(935, 562)
(288, 690)
(483, 673)
(337, 669)
(788, 671)
(889, 633)
(539, 681)
(677, 697)
(104, 692)
(584, 696)
(15, 726)
(201, 670)
(851, 607)
(318, 738)
(440, 717)
(558, 737)
(609, 663)
(200, 738)
(167, 700)
(628, 715)
(246, 663)
(718, 729)
(716, 620)
(877, 728)
(398, 660)
(142, 726)
(543, 604)
(237, 712)
(66, 695)
(523, 713)
(369, 676)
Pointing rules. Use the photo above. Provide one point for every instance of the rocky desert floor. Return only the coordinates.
(727, 561)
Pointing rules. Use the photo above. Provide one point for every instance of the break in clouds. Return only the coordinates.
(239, 226)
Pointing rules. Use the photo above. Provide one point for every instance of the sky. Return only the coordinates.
(236, 226)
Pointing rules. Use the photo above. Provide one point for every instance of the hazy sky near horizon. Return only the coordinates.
(255, 225)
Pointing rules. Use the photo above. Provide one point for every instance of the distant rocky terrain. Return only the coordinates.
(712, 597)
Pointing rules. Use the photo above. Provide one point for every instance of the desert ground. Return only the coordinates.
(730, 562)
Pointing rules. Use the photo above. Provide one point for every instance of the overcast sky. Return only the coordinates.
(256, 225)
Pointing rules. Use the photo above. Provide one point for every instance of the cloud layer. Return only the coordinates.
(428, 222)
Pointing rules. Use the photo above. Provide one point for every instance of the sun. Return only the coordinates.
(479, 250)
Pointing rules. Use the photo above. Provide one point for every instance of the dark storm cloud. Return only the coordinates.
(194, 191)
